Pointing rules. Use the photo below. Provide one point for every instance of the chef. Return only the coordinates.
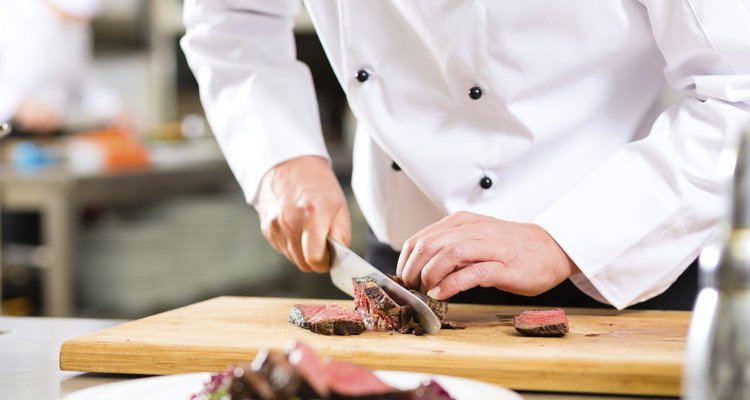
(504, 145)
(46, 82)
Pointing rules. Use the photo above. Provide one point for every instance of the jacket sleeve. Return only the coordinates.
(259, 100)
(640, 218)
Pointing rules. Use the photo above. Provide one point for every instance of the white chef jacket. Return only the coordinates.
(561, 129)
(48, 60)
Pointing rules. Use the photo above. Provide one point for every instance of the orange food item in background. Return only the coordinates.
(119, 149)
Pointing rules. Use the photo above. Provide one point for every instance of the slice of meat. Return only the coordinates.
(236, 382)
(248, 384)
(431, 391)
(312, 369)
(439, 307)
(351, 380)
(381, 313)
(285, 379)
(542, 323)
(327, 319)
(300, 374)
(455, 325)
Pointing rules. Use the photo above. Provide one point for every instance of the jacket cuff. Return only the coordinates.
(604, 217)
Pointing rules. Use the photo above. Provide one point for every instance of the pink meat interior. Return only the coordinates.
(326, 312)
(543, 318)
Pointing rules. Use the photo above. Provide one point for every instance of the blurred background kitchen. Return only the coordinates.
(116, 199)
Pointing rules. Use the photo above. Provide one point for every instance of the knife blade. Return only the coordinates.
(346, 264)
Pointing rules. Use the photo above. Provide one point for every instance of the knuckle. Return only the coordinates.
(453, 251)
(287, 221)
(453, 282)
(422, 246)
(478, 272)
(429, 277)
(309, 207)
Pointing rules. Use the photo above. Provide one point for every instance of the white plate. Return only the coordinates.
(181, 387)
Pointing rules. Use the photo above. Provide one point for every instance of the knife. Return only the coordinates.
(346, 264)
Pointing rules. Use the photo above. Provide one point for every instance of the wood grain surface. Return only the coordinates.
(606, 351)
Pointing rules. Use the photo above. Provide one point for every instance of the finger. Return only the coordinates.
(314, 240)
(451, 243)
(449, 222)
(422, 252)
(291, 223)
(484, 274)
(282, 245)
(271, 231)
(403, 256)
(294, 253)
(341, 231)
(319, 226)
(341, 228)
(313, 248)
(448, 259)
(459, 247)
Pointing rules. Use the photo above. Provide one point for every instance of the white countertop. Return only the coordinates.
(29, 350)
(29, 360)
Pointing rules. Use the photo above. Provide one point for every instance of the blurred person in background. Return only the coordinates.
(47, 86)
(46, 81)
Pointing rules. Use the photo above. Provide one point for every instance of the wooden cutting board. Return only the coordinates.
(606, 351)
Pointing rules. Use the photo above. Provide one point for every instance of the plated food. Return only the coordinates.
(299, 374)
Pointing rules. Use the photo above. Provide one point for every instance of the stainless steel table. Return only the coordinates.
(29, 359)
(58, 194)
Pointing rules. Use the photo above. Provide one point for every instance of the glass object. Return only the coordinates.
(717, 362)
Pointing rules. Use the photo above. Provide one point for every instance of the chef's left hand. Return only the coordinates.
(465, 250)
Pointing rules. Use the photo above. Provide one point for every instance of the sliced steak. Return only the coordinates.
(312, 369)
(455, 325)
(237, 382)
(381, 313)
(429, 390)
(285, 378)
(351, 381)
(301, 374)
(327, 319)
(244, 383)
(439, 307)
(542, 323)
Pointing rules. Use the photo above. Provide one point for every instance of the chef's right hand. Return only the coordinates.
(300, 204)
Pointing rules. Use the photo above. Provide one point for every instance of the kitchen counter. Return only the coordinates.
(29, 359)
